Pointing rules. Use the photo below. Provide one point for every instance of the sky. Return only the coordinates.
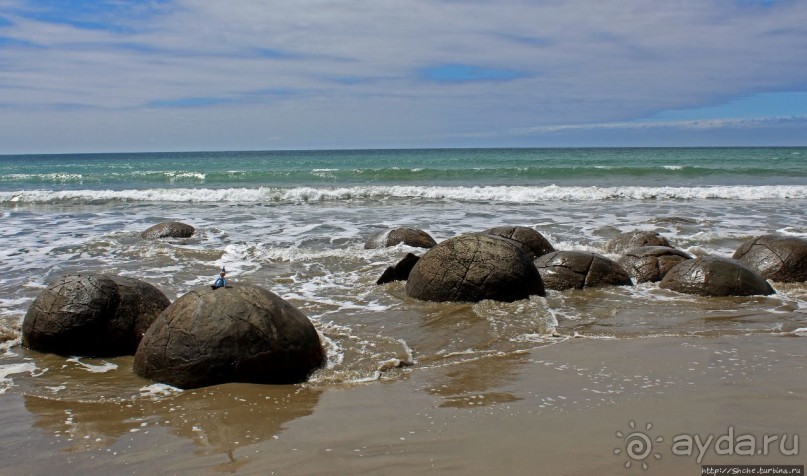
(171, 75)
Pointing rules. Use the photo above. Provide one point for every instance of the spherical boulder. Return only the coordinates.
(169, 229)
(474, 267)
(651, 263)
(779, 258)
(562, 270)
(92, 315)
(533, 242)
(408, 236)
(715, 276)
(243, 333)
(634, 239)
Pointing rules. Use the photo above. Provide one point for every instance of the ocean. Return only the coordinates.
(295, 222)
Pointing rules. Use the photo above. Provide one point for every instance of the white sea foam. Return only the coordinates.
(508, 194)
(158, 390)
(12, 369)
(672, 167)
(96, 369)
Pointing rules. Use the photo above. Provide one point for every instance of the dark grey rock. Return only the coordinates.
(242, 333)
(715, 276)
(580, 269)
(408, 236)
(473, 267)
(400, 271)
(534, 243)
(92, 315)
(651, 263)
(779, 258)
(634, 239)
(172, 229)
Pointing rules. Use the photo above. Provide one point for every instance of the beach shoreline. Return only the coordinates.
(555, 409)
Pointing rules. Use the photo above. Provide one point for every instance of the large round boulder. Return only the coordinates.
(408, 236)
(533, 242)
(92, 315)
(241, 333)
(779, 258)
(715, 276)
(474, 267)
(634, 239)
(171, 229)
(580, 269)
(651, 263)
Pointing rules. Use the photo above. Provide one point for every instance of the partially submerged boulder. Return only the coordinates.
(779, 258)
(634, 239)
(408, 236)
(474, 267)
(651, 263)
(92, 315)
(239, 334)
(562, 270)
(400, 270)
(534, 243)
(715, 276)
(169, 229)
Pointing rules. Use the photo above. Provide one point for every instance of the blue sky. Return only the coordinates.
(143, 75)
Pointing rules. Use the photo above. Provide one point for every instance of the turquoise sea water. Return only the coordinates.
(680, 167)
(296, 222)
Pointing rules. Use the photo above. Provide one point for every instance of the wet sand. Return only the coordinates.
(550, 410)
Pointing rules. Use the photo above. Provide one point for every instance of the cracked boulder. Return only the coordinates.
(408, 236)
(634, 239)
(400, 270)
(779, 258)
(239, 334)
(474, 267)
(715, 276)
(562, 270)
(92, 315)
(533, 242)
(170, 229)
(650, 263)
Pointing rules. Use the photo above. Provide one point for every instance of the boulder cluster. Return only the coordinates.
(245, 333)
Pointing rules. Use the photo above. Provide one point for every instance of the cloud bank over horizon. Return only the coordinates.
(141, 75)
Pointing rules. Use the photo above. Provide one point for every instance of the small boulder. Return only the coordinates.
(651, 263)
(92, 315)
(400, 271)
(474, 267)
(239, 334)
(562, 270)
(779, 258)
(408, 236)
(170, 229)
(533, 242)
(634, 239)
(715, 276)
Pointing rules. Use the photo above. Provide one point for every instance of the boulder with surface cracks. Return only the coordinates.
(715, 276)
(533, 242)
(408, 236)
(651, 263)
(580, 269)
(171, 229)
(776, 257)
(635, 239)
(473, 267)
(237, 334)
(92, 315)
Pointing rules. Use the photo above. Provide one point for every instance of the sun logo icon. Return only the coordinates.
(638, 445)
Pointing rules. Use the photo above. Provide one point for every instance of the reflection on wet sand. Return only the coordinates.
(218, 420)
(468, 385)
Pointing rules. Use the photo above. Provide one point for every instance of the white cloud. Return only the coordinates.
(338, 70)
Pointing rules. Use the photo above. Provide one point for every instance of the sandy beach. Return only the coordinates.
(551, 410)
